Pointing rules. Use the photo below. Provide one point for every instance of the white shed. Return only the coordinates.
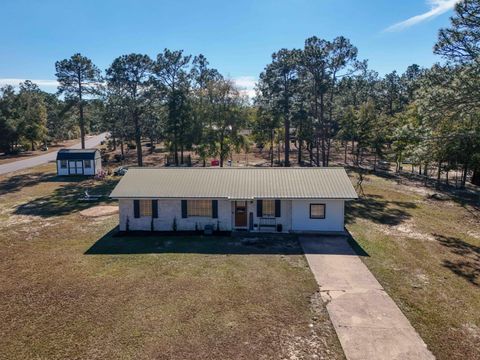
(79, 162)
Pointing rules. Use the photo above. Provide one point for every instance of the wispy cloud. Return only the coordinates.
(437, 7)
(42, 83)
(246, 84)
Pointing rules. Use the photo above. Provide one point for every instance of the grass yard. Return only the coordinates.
(424, 248)
(69, 289)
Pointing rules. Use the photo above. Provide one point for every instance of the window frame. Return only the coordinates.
(205, 210)
(269, 215)
(145, 208)
(318, 217)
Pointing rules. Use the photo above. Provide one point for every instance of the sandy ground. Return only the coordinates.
(101, 210)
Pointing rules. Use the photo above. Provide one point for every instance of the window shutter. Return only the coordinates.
(215, 209)
(259, 208)
(278, 209)
(154, 208)
(136, 209)
(184, 209)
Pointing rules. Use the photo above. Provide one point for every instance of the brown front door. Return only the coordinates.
(240, 214)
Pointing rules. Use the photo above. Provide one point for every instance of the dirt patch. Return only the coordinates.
(320, 340)
(99, 211)
(407, 228)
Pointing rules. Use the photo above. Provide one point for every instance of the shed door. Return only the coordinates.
(72, 168)
(79, 167)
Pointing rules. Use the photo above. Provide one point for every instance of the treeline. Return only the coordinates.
(176, 99)
(30, 117)
(322, 95)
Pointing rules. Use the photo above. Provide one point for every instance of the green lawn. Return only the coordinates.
(425, 250)
(71, 289)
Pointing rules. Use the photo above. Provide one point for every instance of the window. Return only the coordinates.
(317, 211)
(268, 208)
(145, 208)
(199, 208)
(88, 164)
(63, 164)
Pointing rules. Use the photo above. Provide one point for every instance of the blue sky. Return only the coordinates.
(238, 37)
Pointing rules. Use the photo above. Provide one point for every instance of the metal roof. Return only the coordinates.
(236, 183)
(77, 154)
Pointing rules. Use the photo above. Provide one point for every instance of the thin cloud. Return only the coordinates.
(437, 7)
(246, 85)
(43, 83)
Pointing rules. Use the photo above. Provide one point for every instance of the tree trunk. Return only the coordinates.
(287, 141)
(299, 152)
(82, 122)
(476, 177)
(345, 154)
(138, 140)
(464, 175)
(439, 172)
(175, 148)
(221, 153)
(271, 147)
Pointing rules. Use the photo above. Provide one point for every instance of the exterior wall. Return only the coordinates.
(96, 167)
(61, 171)
(91, 170)
(170, 209)
(285, 219)
(334, 216)
(295, 216)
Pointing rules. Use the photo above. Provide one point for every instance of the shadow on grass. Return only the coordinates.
(18, 182)
(468, 266)
(65, 199)
(115, 243)
(378, 210)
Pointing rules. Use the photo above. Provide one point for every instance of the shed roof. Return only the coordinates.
(236, 183)
(77, 154)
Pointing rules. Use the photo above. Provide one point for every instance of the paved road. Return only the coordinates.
(368, 323)
(90, 142)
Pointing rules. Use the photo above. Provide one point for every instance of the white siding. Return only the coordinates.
(295, 216)
(89, 171)
(285, 219)
(60, 170)
(334, 216)
(167, 211)
(98, 165)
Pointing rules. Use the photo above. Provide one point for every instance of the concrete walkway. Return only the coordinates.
(90, 142)
(368, 322)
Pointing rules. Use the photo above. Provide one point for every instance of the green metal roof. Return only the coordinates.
(236, 183)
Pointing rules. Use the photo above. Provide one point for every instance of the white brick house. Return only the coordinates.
(243, 199)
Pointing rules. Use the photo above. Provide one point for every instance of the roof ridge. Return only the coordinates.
(236, 168)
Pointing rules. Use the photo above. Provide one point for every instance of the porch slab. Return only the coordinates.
(368, 323)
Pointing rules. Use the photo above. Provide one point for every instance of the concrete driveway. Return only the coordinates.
(368, 322)
(90, 142)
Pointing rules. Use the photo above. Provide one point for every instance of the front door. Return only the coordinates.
(240, 214)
